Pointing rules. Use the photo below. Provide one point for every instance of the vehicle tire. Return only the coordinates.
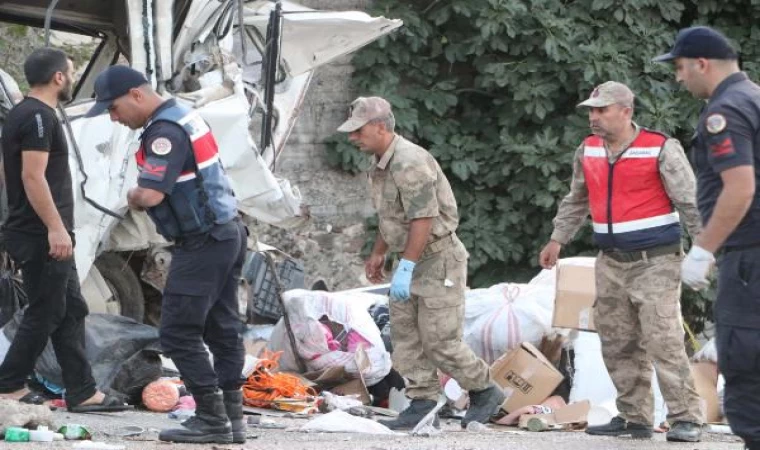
(124, 285)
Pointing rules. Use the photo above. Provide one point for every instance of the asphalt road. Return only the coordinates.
(107, 428)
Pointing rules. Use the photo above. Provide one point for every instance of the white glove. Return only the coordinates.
(695, 267)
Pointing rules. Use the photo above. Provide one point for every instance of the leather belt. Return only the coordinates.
(626, 257)
(439, 244)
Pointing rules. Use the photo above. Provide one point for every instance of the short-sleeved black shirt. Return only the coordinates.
(34, 126)
(167, 154)
(728, 136)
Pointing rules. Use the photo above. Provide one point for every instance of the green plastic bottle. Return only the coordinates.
(16, 434)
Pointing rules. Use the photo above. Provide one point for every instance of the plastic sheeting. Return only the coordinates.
(124, 354)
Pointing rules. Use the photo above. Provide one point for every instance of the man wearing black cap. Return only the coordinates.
(724, 150)
(184, 189)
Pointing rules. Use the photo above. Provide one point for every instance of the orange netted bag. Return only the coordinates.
(264, 386)
(160, 395)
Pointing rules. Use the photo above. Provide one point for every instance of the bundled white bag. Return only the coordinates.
(349, 309)
(501, 317)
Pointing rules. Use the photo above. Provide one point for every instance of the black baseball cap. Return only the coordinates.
(112, 84)
(699, 42)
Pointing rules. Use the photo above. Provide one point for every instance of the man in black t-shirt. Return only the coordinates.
(38, 235)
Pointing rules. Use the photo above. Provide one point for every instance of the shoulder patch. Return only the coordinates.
(40, 127)
(715, 123)
(161, 146)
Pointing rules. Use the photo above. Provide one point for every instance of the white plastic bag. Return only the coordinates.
(499, 318)
(341, 402)
(708, 352)
(343, 422)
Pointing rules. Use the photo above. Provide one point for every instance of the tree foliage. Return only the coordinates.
(490, 88)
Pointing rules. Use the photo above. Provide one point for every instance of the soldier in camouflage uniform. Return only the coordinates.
(634, 182)
(418, 218)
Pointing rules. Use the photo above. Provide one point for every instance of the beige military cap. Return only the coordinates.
(609, 93)
(364, 109)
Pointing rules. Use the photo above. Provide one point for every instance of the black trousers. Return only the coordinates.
(737, 314)
(56, 311)
(200, 306)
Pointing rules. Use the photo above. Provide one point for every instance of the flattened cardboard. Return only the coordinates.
(573, 413)
(575, 297)
(336, 380)
(526, 377)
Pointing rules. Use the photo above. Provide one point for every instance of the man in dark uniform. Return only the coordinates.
(725, 152)
(183, 186)
(39, 236)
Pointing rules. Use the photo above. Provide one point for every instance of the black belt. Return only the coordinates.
(625, 257)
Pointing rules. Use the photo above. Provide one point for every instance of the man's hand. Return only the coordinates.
(373, 268)
(132, 198)
(61, 247)
(402, 281)
(549, 255)
(695, 267)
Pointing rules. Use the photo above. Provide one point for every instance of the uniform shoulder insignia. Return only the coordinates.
(715, 123)
(161, 146)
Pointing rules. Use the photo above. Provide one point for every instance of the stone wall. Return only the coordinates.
(334, 197)
(339, 203)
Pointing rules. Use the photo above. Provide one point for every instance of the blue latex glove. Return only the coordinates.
(402, 281)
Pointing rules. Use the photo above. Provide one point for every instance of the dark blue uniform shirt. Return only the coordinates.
(727, 136)
(167, 154)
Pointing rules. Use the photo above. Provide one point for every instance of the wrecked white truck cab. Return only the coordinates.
(244, 65)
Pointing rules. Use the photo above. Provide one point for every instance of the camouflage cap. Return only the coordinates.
(609, 93)
(364, 109)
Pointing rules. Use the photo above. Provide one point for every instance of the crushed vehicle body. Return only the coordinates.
(245, 66)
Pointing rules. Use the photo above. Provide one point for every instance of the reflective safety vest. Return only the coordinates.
(202, 197)
(630, 208)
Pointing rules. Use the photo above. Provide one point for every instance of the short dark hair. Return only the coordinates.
(42, 65)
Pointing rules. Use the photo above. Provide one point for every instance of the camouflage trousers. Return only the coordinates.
(638, 317)
(426, 331)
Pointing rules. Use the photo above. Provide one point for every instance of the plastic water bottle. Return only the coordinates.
(16, 434)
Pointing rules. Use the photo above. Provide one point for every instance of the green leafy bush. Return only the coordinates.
(490, 88)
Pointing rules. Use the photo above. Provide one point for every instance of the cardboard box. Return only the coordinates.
(526, 376)
(573, 413)
(575, 297)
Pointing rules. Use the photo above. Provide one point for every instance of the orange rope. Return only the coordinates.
(264, 386)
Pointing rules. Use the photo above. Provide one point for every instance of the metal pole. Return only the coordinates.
(285, 317)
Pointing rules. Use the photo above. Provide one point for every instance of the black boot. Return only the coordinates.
(621, 427)
(411, 416)
(685, 432)
(233, 404)
(484, 404)
(209, 424)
